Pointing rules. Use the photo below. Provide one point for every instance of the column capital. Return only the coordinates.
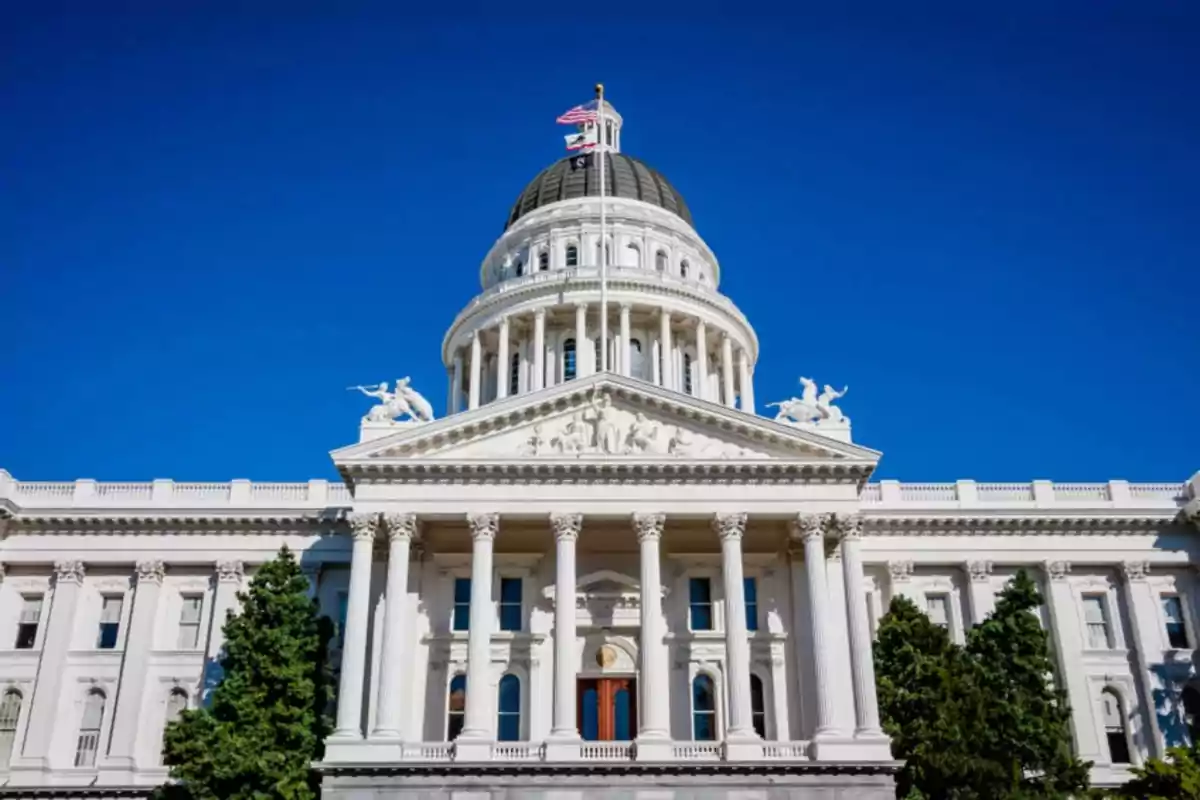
(484, 524)
(808, 526)
(539, 313)
(68, 572)
(402, 525)
(566, 525)
(1056, 570)
(648, 525)
(580, 305)
(150, 572)
(626, 307)
(230, 572)
(1135, 571)
(730, 525)
(900, 571)
(848, 527)
(363, 525)
(979, 571)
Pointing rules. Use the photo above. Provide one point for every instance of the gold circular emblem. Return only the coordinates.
(606, 656)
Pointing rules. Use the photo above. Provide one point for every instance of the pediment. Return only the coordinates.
(603, 419)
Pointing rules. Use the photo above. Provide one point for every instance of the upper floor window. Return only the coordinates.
(543, 261)
(637, 254)
(510, 604)
(514, 374)
(177, 703)
(569, 360)
(110, 621)
(700, 604)
(660, 261)
(1096, 617)
(758, 706)
(751, 593)
(608, 132)
(508, 722)
(937, 608)
(10, 712)
(572, 256)
(343, 605)
(462, 604)
(456, 707)
(89, 729)
(518, 267)
(687, 373)
(1177, 634)
(31, 617)
(704, 709)
(683, 268)
(1114, 727)
(189, 621)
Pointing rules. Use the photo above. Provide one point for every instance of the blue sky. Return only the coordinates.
(213, 220)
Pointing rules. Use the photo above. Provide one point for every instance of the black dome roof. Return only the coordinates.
(579, 176)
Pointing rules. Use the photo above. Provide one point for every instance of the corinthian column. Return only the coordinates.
(654, 737)
(473, 395)
(862, 667)
(667, 369)
(503, 368)
(538, 378)
(401, 530)
(477, 726)
(566, 730)
(138, 644)
(68, 576)
(701, 360)
(729, 528)
(727, 370)
(354, 643)
(810, 528)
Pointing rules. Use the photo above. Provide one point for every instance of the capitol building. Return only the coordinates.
(608, 570)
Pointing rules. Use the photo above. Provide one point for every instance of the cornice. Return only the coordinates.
(106, 523)
(1016, 524)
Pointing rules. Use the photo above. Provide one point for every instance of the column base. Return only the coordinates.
(346, 735)
(653, 747)
(563, 746)
(472, 749)
(743, 746)
(384, 735)
(841, 746)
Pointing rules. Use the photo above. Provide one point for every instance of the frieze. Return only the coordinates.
(1025, 525)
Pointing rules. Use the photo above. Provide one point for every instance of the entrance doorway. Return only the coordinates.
(607, 709)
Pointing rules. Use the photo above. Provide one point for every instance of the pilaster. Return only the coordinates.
(1068, 646)
(1142, 605)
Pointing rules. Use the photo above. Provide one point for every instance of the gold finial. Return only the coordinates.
(599, 90)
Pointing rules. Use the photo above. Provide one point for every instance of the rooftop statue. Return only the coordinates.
(404, 401)
(812, 409)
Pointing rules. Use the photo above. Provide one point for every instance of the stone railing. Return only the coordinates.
(168, 495)
(698, 751)
(429, 751)
(1035, 494)
(788, 751)
(518, 751)
(606, 751)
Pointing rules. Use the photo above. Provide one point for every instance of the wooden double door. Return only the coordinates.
(607, 709)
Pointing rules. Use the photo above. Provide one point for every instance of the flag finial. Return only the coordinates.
(599, 90)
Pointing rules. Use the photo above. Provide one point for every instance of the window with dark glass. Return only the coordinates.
(508, 722)
(514, 374)
(704, 709)
(687, 373)
(462, 604)
(31, 617)
(543, 261)
(751, 593)
(1114, 727)
(110, 622)
(572, 256)
(10, 712)
(88, 742)
(456, 707)
(510, 604)
(569, 360)
(519, 267)
(1176, 627)
(683, 269)
(700, 604)
(758, 706)
(660, 261)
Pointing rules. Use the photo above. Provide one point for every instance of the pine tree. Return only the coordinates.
(1022, 742)
(267, 720)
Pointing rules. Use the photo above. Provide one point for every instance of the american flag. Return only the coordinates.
(588, 112)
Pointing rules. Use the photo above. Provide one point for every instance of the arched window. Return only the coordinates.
(514, 374)
(687, 373)
(758, 706)
(1114, 727)
(608, 132)
(177, 702)
(89, 729)
(683, 269)
(572, 256)
(456, 707)
(569, 360)
(704, 709)
(519, 267)
(637, 254)
(607, 254)
(10, 712)
(543, 261)
(508, 722)
(660, 261)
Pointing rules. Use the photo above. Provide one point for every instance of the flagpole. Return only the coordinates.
(602, 143)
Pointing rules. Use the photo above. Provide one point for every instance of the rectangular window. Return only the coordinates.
(700, 604)
(189, 622)
(1096, 617)
(110, 621)
(343, 605)
(510, 604)
(751, 593)
(462, 604)
(937, 608)
(1176, 627)
(31, 617)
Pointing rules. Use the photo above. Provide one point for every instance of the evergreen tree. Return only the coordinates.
(1175, 778)
(267, 720)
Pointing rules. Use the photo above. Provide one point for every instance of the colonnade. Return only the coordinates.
(811, 530)
(733, 369)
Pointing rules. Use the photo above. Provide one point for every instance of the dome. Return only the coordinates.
(624, 176)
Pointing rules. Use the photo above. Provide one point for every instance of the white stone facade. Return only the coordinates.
(600, 551)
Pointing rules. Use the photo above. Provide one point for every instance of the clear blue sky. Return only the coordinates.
(213, 220)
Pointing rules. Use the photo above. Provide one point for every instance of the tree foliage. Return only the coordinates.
(268, 717)
(1177, 777)
(982, 721)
